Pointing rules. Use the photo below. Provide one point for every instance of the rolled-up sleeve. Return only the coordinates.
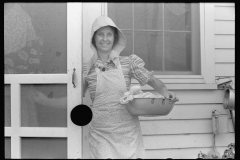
(138, 71)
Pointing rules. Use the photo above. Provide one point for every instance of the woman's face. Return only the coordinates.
(104, 39)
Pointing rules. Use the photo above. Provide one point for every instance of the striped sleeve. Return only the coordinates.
(138, 71)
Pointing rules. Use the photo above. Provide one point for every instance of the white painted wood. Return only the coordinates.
(177, 80)
(180, 153)
(179, 76)
(224, 13)
(225, 55)
(207, 58)
(36, 132)
(171, 127)
(189, 112)
(74, 59)
(224, 41)
(225, 4)
(15, 120)
(183, 86)
(186, 141)
(35, 78)
(225, 69)
(7, 131)
(15, 105)
(15, 147)
(224, 27)
(197, 96)
(43, 132)
(104, 8)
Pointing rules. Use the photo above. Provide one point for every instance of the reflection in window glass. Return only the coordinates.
(7, 148)
(35, 38)
(177, 16)
(148, 46)
(148, 16)
(178, 51)
(49, 148)
(123, 10)
(44, 105)
(7, 106)
(128, 49)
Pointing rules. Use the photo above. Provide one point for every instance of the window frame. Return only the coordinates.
(206, 79)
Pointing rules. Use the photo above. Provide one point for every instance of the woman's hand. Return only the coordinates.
(159, 86)
(173, 97)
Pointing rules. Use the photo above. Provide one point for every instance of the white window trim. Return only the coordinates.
(207, 78)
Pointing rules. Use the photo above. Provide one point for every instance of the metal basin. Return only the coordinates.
(229, 99)
(150, 107)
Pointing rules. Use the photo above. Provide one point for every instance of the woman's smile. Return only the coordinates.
(104, 39)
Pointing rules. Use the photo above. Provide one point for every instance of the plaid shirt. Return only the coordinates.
(132, 66)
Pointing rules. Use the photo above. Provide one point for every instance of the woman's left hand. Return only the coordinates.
(173, 97)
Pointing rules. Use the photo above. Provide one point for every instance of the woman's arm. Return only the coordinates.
(51, 102)
(160, 87)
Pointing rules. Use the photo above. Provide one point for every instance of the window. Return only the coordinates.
(165, 35)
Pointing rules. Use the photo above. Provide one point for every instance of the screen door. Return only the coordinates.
(42, 64)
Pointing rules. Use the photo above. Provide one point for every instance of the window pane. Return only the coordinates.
(44, 105)
(177, 16)
(35, 38)
(7, 106)
(49, 148)
(128, 49)
(149, 46)
(166, 36)
(7, 148)
(121, 14)
(148, 16)
(177, 51)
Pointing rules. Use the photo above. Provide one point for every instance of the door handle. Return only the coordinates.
(73, 75)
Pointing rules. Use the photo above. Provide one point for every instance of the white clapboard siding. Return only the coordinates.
(189, 111)
(187, 140)
(225, 69)
(197, 96)
(224, 13)
(170, 127)
(224, 41)
(225, 55)
(180, 153)
(224, 27)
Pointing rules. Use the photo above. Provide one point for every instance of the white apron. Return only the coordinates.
(113, 132)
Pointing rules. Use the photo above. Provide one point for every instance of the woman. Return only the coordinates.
(113, 131)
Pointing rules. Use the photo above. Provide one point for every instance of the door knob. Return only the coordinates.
(81, 115)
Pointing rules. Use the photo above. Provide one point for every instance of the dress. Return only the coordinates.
(113, 131)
